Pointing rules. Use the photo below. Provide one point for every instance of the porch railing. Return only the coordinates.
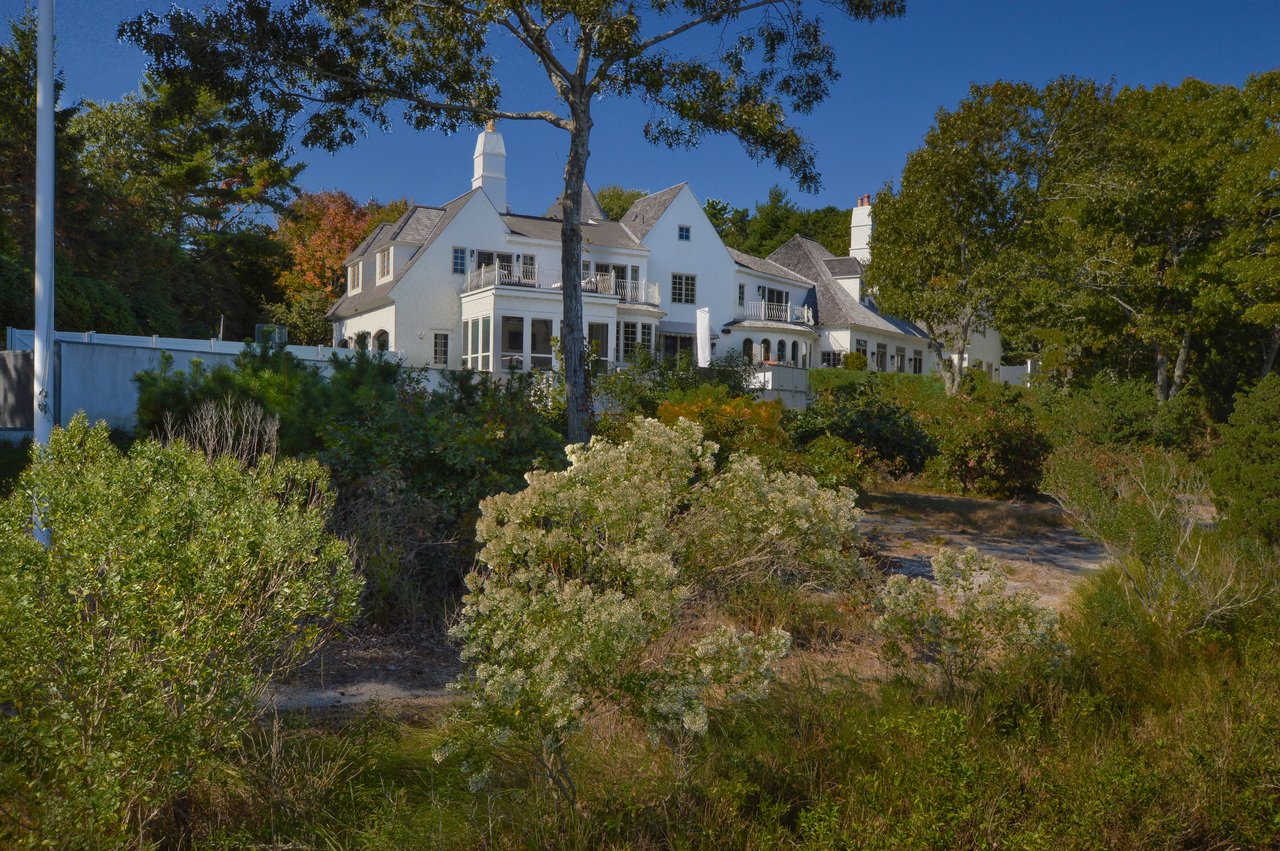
(507, 275)
(769, 311)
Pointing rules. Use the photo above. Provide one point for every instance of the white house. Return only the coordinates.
(468, 283)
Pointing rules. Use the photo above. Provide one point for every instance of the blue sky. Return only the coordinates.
(896, 74)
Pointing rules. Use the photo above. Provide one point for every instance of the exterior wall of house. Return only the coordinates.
(371, 322)
(427, 297)
(837, 340)
(703, 255)
(796, 340)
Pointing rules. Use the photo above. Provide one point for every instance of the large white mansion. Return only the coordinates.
(470, 284)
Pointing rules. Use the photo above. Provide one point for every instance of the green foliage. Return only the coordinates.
(734, 423)
(834, 462)
(642, 387)
(593, 588)
(1182, 576)
(859, 411)
(854, 361)
(140, 641)
(761, 230)
(1246, 466)
(989, 443)
(964, 628)
(307, 402)
(615, 200)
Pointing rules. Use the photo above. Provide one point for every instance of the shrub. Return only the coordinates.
(854, 361)
(834, 462)
(1144, 506)
(859, 412)
(650, 380)
(734, 423)
(589, 600)
(964, 627)
(1246, 467)
(1107, 411)
(141, 639)
(990, 444)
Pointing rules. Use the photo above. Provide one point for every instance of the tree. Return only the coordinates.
(615, 200)
(344, 62)
(944, 244)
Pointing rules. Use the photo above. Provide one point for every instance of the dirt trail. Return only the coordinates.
(1039, 549)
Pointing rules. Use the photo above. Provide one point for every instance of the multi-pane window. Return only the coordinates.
(683, 233)
(882, 356)
(628, 340)
(742, 294)
(459, 261)
(830, 359)
(384, 263)
(528, 267)
(900, 359)
(860, 346)
(440, 349)
(477, 343)
(646, 336)
(353, 279)
(683, 288)
(917, 362)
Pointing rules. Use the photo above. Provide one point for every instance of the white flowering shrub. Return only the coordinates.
(589, 596)
(964, 626)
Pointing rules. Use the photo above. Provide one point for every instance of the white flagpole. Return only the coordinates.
(44, 387)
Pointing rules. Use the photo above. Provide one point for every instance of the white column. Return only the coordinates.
(43, 347)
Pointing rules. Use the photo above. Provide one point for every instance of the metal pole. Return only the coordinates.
(44, 389)
(43, 354)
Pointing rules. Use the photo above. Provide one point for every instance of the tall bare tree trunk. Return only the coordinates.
(1162, 374)
(1180, 365)
(1269, 350)
(572, 339)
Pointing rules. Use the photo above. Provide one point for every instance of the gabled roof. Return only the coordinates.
(605, 233)
(767, 267)
(591, 211)
(844, 267)
(835, 306)
(645, 212)
(419, 224)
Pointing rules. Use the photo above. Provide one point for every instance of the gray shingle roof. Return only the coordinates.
(645, 212)
(591, 211)
(835, 306)
(844, 267)
(768, 267)
(610, 234)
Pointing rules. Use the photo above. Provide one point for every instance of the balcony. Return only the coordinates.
(504, 275)
(769, 311)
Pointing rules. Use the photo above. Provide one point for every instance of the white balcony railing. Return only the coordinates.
(507, 275)
(768, 311)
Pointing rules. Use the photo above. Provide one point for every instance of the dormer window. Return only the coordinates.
(683, 233)
(384, 264)
(353, 278)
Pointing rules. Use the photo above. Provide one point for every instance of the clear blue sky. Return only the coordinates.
(896, 74)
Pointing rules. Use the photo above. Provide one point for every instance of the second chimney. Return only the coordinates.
(490, 172)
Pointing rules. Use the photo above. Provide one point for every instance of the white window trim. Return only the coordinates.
(684, 233)
(452, 255)
(385, 252)
(355, 275)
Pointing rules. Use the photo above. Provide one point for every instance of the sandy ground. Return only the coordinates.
(1034, 543)
(406, 672)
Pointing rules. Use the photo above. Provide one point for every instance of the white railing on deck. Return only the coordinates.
(634, 292)
(768, 311)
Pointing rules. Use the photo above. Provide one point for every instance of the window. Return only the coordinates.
(830, 359)
(900, 359)
(381, 341)
(635, 273)
(540, 354)
(476, 343)
(646, 336)
(683, 288)
(459, 261)
(628, 340)
(598, 339)
(795, 353)
(512, 341)
(528, 267)
(440, 349)
(882, 355)
(782, 351)
(384, 264)
(917, 362)
(860, 346)
(742, 294)
(766, 351)
(683, 233)
(353, 279)
(748, 350)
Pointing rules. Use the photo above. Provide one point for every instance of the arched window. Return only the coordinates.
(381, 341)
(795, 353)
(782, 350)
(344, 343)
(748, 350)
(765, 352)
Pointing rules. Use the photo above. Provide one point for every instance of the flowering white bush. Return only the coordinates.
(589, 597)
(962, 627)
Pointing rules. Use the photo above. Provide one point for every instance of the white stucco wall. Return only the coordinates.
(382, 319)
(703, 255)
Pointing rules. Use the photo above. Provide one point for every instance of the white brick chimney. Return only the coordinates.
(860, 230)
(490, 172)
